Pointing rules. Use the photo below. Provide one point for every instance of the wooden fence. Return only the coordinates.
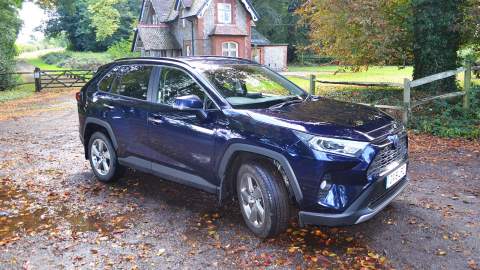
(407, 86)
(49, 79)
(45, 79)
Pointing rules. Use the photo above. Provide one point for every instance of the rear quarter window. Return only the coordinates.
(106, 82)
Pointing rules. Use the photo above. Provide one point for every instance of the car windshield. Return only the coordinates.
(251, 86)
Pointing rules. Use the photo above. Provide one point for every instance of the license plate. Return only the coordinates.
(396, 176)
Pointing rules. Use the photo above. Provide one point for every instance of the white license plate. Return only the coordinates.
(396, 176)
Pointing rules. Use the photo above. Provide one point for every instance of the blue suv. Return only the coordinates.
(237, 129)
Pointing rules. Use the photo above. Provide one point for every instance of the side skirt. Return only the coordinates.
(170, 174)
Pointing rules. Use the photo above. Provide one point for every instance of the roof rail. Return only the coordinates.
(184, 59)
(152, 58)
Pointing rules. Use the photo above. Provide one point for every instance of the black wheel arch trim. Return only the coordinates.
(293, 184)
(104, 124)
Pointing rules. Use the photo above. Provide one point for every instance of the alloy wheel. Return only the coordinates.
(252, 201)
(101, 157)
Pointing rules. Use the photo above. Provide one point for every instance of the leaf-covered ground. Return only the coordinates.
(54, 214)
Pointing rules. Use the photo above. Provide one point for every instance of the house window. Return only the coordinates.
(188, 50)
(224, 13)
(230, 49)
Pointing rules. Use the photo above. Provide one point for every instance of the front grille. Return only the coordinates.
(388, 155)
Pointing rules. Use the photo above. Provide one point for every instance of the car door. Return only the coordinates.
(183, 140)
(127, 107)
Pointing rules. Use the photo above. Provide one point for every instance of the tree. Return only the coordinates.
(9, 29)
(360, 32)
(437, 37)
(279, 23)
(92, 25)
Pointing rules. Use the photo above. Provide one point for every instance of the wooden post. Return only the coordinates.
(38, 79)
(467, 86)
(406, 100)
(313, 80)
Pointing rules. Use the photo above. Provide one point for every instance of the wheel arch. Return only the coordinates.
(229, 163)
(93, 125)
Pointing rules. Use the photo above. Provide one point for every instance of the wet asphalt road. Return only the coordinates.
(54, 215)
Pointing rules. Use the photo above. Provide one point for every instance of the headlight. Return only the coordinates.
(334, 146)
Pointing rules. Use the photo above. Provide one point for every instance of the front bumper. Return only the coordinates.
(373, 200)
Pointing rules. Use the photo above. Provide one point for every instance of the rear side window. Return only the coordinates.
(132, 81)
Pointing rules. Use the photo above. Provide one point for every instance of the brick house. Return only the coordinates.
(171, 28)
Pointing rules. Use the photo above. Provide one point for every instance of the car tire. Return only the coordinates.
(103, 159)
(259, 185)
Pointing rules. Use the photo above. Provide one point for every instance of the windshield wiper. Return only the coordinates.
(290, 101)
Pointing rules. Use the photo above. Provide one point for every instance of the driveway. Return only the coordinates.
(54, 214)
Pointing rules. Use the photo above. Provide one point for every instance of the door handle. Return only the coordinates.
(110, 107)
(155, 119)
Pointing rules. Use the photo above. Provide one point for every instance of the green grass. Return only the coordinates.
(19, 92)
(372, 74)
(38, 62)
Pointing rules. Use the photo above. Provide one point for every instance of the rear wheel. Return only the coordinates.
(103, 158)
(263, 199)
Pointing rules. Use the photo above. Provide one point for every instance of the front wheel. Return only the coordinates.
(263, 199)
(103, 158)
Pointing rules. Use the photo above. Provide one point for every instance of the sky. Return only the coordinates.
(32, 17)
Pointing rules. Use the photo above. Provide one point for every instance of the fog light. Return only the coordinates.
(325, 186)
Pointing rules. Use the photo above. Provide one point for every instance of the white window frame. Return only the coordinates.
(230, 49)
(224, 13)
(188, 50)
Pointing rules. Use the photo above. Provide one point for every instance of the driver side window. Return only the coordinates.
(175, 83)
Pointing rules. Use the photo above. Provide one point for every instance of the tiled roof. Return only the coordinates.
(157, 37)
(187, 3)
(195, 8)
(227, 30)
(258, 38)
(165, 10)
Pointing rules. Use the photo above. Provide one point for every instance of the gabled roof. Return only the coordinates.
(165, 9)
(258, 38)
(157, 37)
(198, 7)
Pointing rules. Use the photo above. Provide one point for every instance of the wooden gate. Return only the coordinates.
(48, 79)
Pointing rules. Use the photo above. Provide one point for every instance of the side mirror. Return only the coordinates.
(191, 102)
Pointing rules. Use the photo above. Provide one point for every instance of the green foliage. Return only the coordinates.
(449, 119)
(77, 60)
(279, 24)
(22, 91)
(436, 40)
(47, 43)
(360, 32)
(89, 27)
(122, 49)
(9, 28)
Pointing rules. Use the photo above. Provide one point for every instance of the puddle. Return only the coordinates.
(94, 222)
(19, 214)
(22, 215)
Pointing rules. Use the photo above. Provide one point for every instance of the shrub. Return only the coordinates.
(449, 119)
(77, 60)
(122, 49)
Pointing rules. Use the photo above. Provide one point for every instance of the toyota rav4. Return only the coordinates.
(237, 129)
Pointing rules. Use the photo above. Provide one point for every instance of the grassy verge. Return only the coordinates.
(19, 92)
(38, 62)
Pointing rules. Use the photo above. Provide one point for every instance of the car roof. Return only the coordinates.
(193, 61)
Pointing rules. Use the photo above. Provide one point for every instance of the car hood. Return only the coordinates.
(327, 117)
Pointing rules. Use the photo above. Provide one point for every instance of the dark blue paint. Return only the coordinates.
(195, 141)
